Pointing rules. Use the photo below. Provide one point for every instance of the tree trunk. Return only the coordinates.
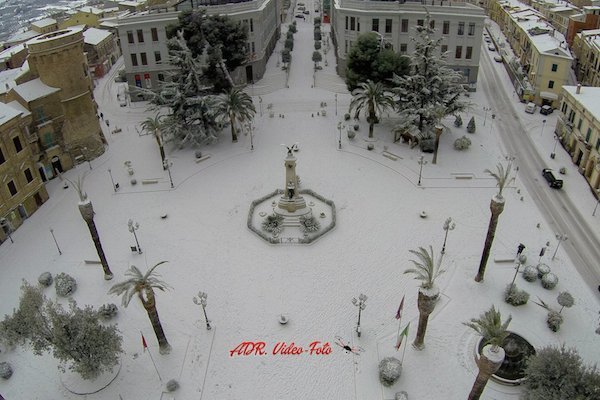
(426, 304)
(371, 119)
(438, 133)
(487, 367)
(496, 207)
(233, 133)
(150, 305)
(87, 212)
(161, 148)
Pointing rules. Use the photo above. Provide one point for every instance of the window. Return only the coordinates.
(157, 57)
(154, 33)
(404, 27)
(588, 135)
(28, 175)
(597, 144)
(251, 25)
(420, 22)
(388, 26)
(134, 59)
(469, 53)
(161, 77)
(444, 48)
(471, 28)
(144, 58)
(550, 84)
(375, 24)
(564, 108)
(347, 22)
(17, 143)
(446, 28)
(554, 67)
(129, 36)
(352, 23)
(2, 159)
(461, 28)
(140, 35)
(403, 48)
(579, 124)
(458, 52)
(253, 47)
(12, 188)
(432, 24)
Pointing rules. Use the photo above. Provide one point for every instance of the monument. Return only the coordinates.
(291, 203)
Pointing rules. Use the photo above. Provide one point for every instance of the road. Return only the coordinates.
(582, 246)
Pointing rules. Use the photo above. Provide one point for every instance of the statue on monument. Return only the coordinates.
(290, 189)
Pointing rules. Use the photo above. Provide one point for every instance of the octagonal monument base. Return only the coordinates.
(292, 230)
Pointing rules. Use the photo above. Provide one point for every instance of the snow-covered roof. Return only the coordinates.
(131, 3)
(19, 107)
(588, 97)
(591, 36)
(33, 90)
(22, 36)
(563, 8)
(91, 10)
(7, 113)
(42, 23)
(95, 36)
(7, 79)
(8, 53)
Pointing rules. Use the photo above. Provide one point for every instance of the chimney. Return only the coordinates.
(578, 88)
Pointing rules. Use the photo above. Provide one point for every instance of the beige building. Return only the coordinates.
(557, 14)
(578, 128)
(586, 48)
(101, 49)
(22, 191)
(458, 23)
(45, 25)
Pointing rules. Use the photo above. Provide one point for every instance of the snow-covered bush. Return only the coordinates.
(289, 35)
(108, 311)
(471, 125)
(542, 269)
(462, 143)
(530, 273)
(172, 385)
(401, 395)
(549, 281)
(346, 117)
(390, 369)
(565, 299)
(293, 28)
(559, 373)
(198, 154)
(317, 35)
(554, 320)
(65, 284)
(318, 45)
(45, 279)
(317, 20)
(309, 224)
(273, 223)
(356, 127)
(522, 258)
(514, 296)
(6, 370)
(458, 121)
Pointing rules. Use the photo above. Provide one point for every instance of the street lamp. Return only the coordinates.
(167, 164)
(260, 104)
(543, 125)
(421, 163)
(361, 304)
(553, 154)
(340, 126)
(486, 109)
(449, 225)
(6, 226)
(134, 226)
(492, 123)
(115, 187)
(335, 104)
(519, 251)
(250, 128)
(55, 242)
(561, 237)
(201, 301)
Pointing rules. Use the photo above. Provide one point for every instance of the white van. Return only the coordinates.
(530, 108)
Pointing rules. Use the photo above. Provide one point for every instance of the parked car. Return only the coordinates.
(552, 181)
(491, 47)
(306, 12)
(530, 108)
(498, 59)
(299, 16)
(487, 39)
(546, 110)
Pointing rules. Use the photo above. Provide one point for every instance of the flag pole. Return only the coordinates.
(404, 351)
(151, 358)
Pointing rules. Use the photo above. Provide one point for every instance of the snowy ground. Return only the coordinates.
(250, 283)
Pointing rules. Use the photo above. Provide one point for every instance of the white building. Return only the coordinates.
(460, 24)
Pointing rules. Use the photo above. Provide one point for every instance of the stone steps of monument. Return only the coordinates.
(291, 221)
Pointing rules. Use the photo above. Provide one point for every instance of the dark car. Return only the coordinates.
(552, 181)
(546, 110)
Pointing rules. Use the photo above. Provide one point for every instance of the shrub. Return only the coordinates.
(65, 284)
(6, 370)
(289, 35)
(557, 374)
(289, 44)
(530, 273)
(45, 279)
(356, 127)
(427, 145)
(286, 57)
(293, 28)
(565, 300)
(549, 281)
(514, 296)
(462, 143)
(318, 35)
(273, 223)
(309, 224)
(317, 45)
(172, 385)
(458, 121)
(553, 320)
(542, 269)
(108, 311)
(471, 125)
(346, 117)
(401, 395)
(317, 20)
(390, 369)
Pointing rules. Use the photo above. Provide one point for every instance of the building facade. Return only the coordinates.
(460, 25)
(101, 49)
(588, 19)
(586, 48)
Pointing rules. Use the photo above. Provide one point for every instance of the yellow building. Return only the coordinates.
(45, 25)
(22, 191)
(586, 48)
(88, 16)
(578, 128)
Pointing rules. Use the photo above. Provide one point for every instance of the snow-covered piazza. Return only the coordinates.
(283, 323)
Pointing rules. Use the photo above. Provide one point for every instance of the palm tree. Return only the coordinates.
(87, 213)
(236, 106)
(154, 127)
(503, 178)
(494, 332)
(143, 285)
(425, 271)
(373, 98)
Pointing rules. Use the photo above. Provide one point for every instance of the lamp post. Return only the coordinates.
(167, 164)
(260, 104)
(486, 109)
(4, 224)
(519, 251)
(449, 225)
(553, 154)
(561, 237)
(112, 181)
(55, 242)
(361, 304)
(421, 163)
(340, 126)
(134, 226)
(492, 123)
(201, 301)
(335, 104)
(543, 126)
(250, 128)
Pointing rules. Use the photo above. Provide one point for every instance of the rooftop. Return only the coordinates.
(91, 10)
(22, 36)
(33, 90)
(17, 106)
(7, 113)
(42, 23)
(6, 54)
(588, 97)
(95, 36)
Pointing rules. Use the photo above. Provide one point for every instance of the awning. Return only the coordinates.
(549, 95)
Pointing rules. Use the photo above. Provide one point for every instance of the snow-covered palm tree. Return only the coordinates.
(426, 271)
(143, 286)
(235, 106)
(502, 177)
(154, 125)
(494, 332)
(373, 98)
